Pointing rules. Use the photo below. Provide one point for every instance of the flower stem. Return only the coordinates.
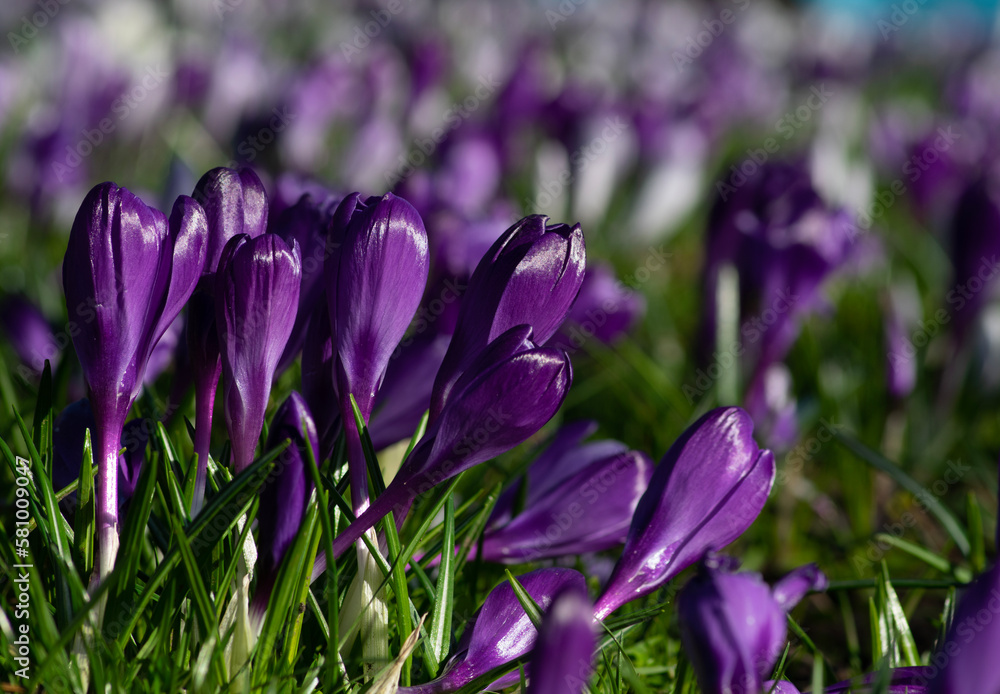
(206, 384)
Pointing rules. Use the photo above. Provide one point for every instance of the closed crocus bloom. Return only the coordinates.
(733, 626)
(256, 293)
(708, 489)
(373, 289)
(564, 653)
(235, 203)
(127, 274)
(283, 501)
(530, 276)
(505, 396)
(501, 631)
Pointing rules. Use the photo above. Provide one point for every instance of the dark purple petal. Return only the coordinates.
(318, 387)
(30, 334)
(780, 687)
(501, 631)
(794, 586)
(708, 489)
(381, 276)
(256, 293)
(307, 223)
(530, 275)
(973, 641)
(564, 655)
(507, 395)
(283, 501)
(236, 203)
(406, 391)
(587, 512)
(732, 629)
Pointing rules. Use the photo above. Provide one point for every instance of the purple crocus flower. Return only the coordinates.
(501, 631)
(564, 655)
(127, 274)
(733, 625)
(373, 290)
(507, 394)
(530, 275)
(235, 203)
(30, 334)
(565, 484)
(256, 292)
(283, 501)
(708, 489)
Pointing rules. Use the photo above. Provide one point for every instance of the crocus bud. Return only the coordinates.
(256, 292)
(708, 489)
(235, 203)
(127, 274)
(283, 501)
(966, 660)
(733, 626)
(574, 510)
(530, 276)
(505, 396)
(30, 334)
(373, 289)
(564, 654)
(501, 631)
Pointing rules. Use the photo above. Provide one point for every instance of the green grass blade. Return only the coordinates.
(439, 633)
(86, 509)
(944, 516)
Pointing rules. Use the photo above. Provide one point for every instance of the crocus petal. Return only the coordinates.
(306, 222)
(564, 654)
(971, 667)
(780, 687)
(708, 489)
(604, 309)
(495, 407)
(565, 520)
(531, 275)
(733, 630)
(283, 501)
(382, 272)
(188, 229)
(794, 586)
(257, 292)
(235, 203)
(501, 631)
